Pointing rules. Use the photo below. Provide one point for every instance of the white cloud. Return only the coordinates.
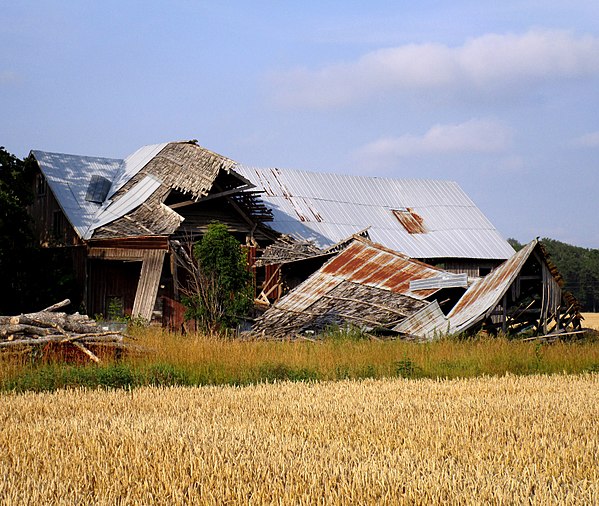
(590, 140)
(486, 63)
(474, 136)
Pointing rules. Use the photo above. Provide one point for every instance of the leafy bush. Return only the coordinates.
(221, 291)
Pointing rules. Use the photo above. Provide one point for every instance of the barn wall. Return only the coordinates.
(112, 280)
(50, 225)
(471, 267)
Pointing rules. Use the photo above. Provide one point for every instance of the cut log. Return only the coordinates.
(6, 330)
(56, 306)
(34, 330)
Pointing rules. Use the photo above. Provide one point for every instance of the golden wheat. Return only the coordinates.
(506, 440)
(591, 320)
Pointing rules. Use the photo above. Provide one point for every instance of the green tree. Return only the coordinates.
(580, 269)
(15, 234)
(30, 277)
(514, 243)
(221, 290)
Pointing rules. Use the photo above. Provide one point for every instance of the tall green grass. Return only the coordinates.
(173, 359)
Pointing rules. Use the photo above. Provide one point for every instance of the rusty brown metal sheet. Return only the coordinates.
(485, 294)
(411, 221)
(374, 265)
(365, 263)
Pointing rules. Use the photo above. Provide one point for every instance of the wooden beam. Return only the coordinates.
(147, 287)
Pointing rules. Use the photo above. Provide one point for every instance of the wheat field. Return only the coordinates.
(591, 320)
(500, 440)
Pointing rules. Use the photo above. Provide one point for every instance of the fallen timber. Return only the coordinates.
(49, 327)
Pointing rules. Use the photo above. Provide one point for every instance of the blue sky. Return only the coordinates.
(502, 97)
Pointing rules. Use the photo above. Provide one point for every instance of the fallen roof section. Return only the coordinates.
(426, 324)
(366, 285)
(138, 186)
(423, 219)
(522, 293)
(287, 249)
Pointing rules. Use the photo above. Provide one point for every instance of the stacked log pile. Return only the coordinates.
(33, 330)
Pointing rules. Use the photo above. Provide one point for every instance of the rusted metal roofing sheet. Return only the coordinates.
(362, 262)
(486, 293)
(374, 265)
(365, 284)
(428, 323)
(327, 208)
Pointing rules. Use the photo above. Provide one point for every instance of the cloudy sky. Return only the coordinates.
(502, 97)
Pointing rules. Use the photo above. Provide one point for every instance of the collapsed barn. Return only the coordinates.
(412, 257)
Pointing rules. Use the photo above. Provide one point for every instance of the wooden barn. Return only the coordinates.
(123, 223)
(118, 218)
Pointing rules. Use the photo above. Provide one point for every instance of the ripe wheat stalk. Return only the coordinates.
(506, 440)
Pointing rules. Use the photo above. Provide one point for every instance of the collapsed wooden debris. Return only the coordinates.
(45, 327)
(365, 285)
(286, 249)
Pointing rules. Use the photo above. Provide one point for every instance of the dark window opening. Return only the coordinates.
(40, 185)
(97, 189)
(57, 224)
(483, 271)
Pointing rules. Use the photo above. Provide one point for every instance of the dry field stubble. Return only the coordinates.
(502, 440)
(591, 320)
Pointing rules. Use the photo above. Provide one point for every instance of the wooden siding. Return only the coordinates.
(472, 267)
(50, 225)
(111, 278)
(140, 243)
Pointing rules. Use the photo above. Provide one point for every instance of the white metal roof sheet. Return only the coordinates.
(68, 177)
(133, 164)
(327, 208)
(135, 197)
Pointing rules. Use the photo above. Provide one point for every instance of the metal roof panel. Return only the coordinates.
(326, 208)
(69, 176)
(485, 293)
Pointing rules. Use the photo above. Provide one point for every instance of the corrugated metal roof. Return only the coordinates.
(486, 293)
(133, 164)
(428, 323)
(366, 263)
(127, 203)
(69, 176)
(445, 280)
(326, 208)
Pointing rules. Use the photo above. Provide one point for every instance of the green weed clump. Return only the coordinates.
(173, 359)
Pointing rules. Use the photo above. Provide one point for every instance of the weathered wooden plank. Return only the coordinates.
(149, 280)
